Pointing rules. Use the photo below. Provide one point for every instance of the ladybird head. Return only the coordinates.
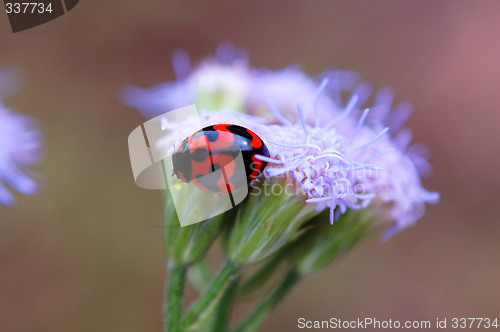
(181, 161)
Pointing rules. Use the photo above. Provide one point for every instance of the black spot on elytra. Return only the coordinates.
(212, 136)
(238, 130)
(200, 155)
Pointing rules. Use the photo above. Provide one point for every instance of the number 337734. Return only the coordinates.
(27, 8)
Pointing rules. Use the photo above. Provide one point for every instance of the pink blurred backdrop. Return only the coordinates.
(86, 253)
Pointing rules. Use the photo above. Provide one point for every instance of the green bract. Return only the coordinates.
(266, 223)
(324, 244)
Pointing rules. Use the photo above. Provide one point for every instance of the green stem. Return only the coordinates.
(223, 311)
(262, 275)
(255, 319)
(173, 298)
(208, 300)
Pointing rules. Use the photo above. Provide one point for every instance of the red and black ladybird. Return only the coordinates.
(216, 148)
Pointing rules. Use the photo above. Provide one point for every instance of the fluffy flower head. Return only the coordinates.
(342, 155)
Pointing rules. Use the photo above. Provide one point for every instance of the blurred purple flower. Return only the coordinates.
(228, 81)
(384, 114)
(20, 146)
(10, 81)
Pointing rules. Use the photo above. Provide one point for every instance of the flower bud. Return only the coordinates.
(323, 245)
(186, 245)
(267, 222)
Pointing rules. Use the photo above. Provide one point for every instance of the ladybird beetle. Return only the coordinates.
(216, 148)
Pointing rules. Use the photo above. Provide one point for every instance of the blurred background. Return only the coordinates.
(86, 253)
